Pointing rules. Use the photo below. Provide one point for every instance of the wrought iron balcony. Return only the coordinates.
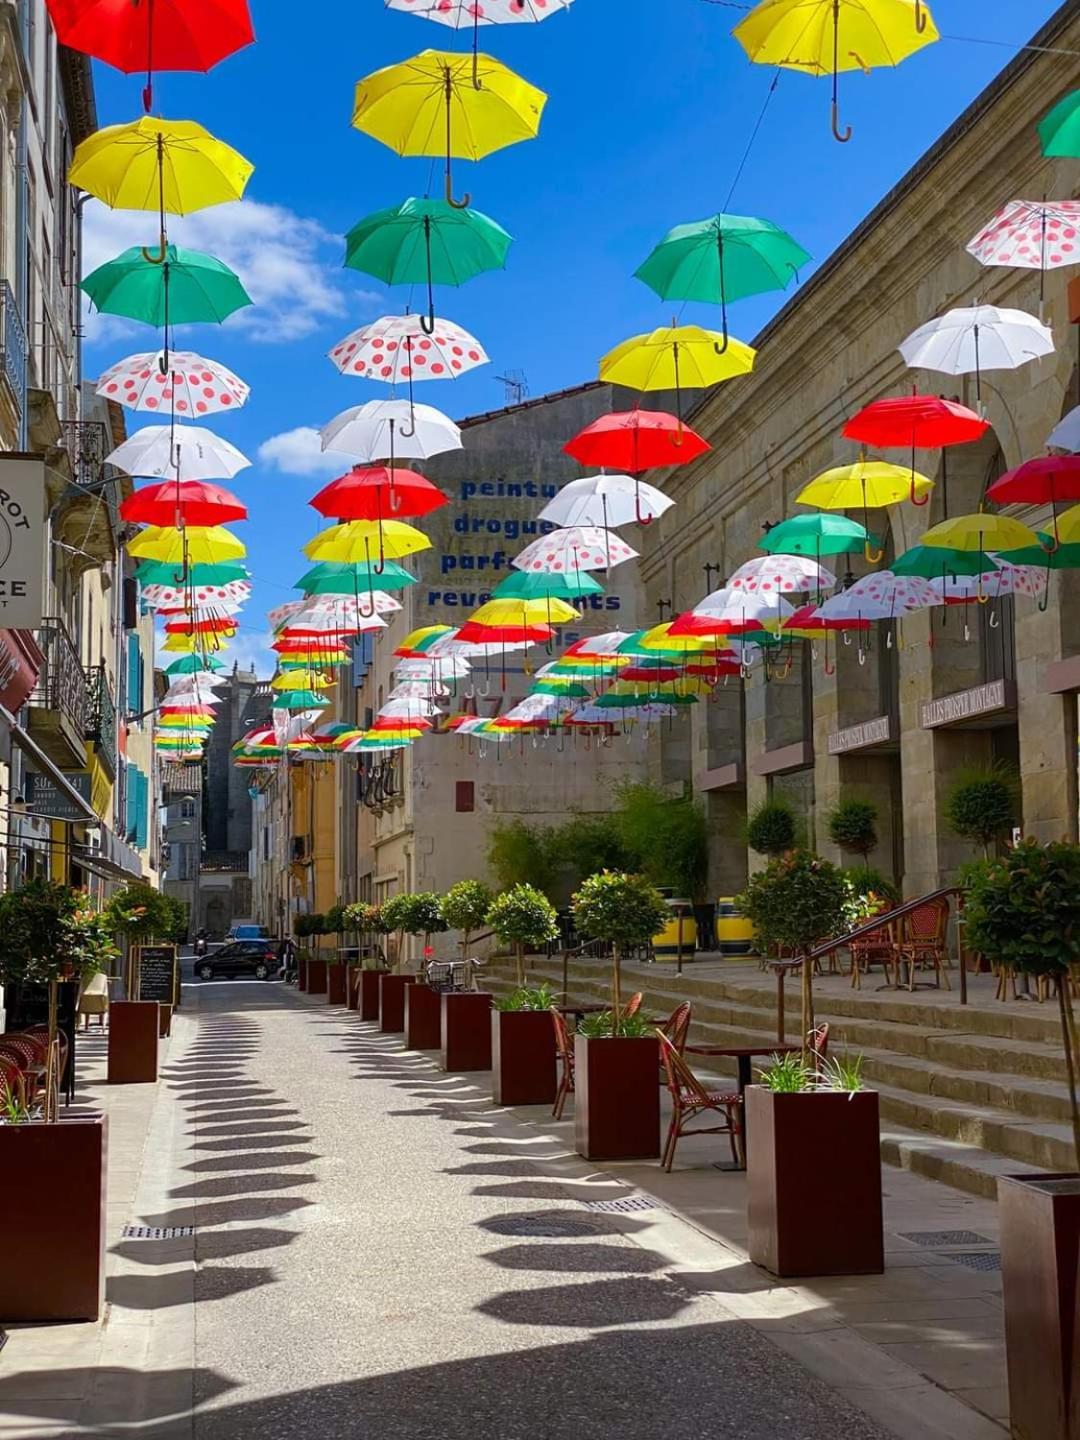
(87, 445)
(58, 702)
(14, 354)
(101, 716)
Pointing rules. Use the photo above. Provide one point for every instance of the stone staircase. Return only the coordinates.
(967, 1093)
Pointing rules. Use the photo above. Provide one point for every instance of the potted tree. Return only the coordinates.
(139, 915)
(983, 805)
(616, 1057)
(397, 914)
(303, 929)
(52, 1201)
(465, 907)
(1022, 910)
(316, 965)
(772, 829)
(522, 1035)
(358, 919)
(853, 827)
(336, 973)
(370, 924)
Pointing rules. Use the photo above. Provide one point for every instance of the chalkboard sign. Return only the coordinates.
(157, 973)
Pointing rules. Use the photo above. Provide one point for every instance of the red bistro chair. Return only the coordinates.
(689, 1099)
(923, 945)
(564, 1049)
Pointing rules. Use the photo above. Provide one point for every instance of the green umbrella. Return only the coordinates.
(299, 700)
(160, 572)
(520, 586)
(933, 562)
(571, 689)
(726, 257)
(333, 577)
(624, 700)
(1059, 129)
(189, 286)
(194, 664)
(426, 241)
(815, 535)
(1065, 557)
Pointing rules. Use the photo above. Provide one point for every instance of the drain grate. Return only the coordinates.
(988, 1260)
(157, 1232)
(620, 1207)
(552, 1227)
(932, 1239)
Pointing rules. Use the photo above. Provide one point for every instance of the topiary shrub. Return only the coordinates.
(525, 918)
(772, 828)
(853, 826)
(395, 915)
(334, 920)
(623, 910)
(983, 805)
(140, 912)
(465, 907)
(423, 917)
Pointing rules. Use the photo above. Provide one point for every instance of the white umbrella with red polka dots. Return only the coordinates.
(395, 349)
(1031, 235)
(189, 385)
(581, 547)
(467, 14)
(782, 574)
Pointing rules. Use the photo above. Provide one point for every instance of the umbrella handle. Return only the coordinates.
(638, 516)
(156, 257)
(914, 498)
(1055, 544)
(921, 17)
(427, 322)
(722, 349)
(1045, 601)
(464, 202)
(842, 135)
(829, 669)
(872, 556)
(994, 621)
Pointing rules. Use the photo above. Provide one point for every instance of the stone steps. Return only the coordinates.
(967, 1093)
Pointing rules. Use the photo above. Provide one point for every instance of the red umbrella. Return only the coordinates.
(917, 422)
(153, 35)
(474, 634)
(378, 493)
(196, 502)
(220, 625)
(636, 440)
(1049, 480)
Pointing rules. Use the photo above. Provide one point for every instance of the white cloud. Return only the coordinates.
(250, 649)
(298, 452)
(289, 265)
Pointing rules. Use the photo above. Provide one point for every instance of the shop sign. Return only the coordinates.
(44, 798)
(22, 542)
(860, 737)
(968, 704)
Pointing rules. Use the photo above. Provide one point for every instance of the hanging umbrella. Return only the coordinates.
(419, 641)
(191, 502)
(917, 422)
(981, 337)
(1050, 480)
(1064, 557)
(457, 106)
(602, 647)
(194, 664)
(361, 540)
(383, 429)
(1059, 129)
(426, 242)
(186, 287)
(982, 533)
(179, 383)
(677, 357)
(933, 561)
(606, 500)
(581, 547)
(172, 166)
(330, 612)
(815, 535)
(300, 680)
(519, 586)
(331, 578)
(466, 14)
(1031, 235)
(869, 485)
(787, 574)
(172, 597)
(724, 258)
(1066, 433)
(884, 595)
(824, 37)
(732, 612)
(546, 611)
(155, 35)
(196, 545)
(1068, 529)
(637, 440)
(153, 572)
(492, 639)
(370, 493)
(397, 347)
(185, 452)
(1008, 579)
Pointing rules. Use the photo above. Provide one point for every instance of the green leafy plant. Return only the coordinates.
(465, 907)
(869, 893)
(772, 828)
(521, 854)
(140, 912)
(527, 997)
(395, 913)
(423, 916)
(665, 837)
(13, 1110)
(984, 804)
(586, 844)
(853, 826)
(623, 910)
(601, 1026)
(180, 921)
(1023, 911)
(524, 918)
(334, 920)
(842, 1072)
(307, 926)
(786, 1075)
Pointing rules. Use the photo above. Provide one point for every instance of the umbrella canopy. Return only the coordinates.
(179, 383)
(1059, 129)
(787, 574)
(519, 586)
(1068, 529)
(731, 612)
(929, 561)
(866, 485)
(491, 639)
(918, 422)
(197, 545)
(361, 540)
(196, 502)
(384, 429)
(814, 536)
(606, 500)
(194, 664)
(1031, 235)
(1046, 481)
(466, 14)
(187, 287)
(183, 452)
(332, 578)
(439, 103)
(1066, 433)
(637, 440)
(160, 35)
(501, 612)
(989, 584)
(883, 595)
(219, 598)
(982, 532)
(676, 357)
(154, 572)
(723, 258)
(1063, 557)
(377, 493)
(397, 347)
(153, 164)
(972, 339)
(825, 37)
(580, 547)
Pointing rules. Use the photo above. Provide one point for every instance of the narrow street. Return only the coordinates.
(379, 1252)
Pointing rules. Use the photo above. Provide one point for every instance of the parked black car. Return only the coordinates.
(258, 958)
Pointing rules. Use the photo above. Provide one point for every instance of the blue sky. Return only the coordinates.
(651, 106)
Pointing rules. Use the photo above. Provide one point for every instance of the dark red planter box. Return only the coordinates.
(814, 1182)
(301, 972)
(423, 1018)
(134, 1030)
(523, 1057)
(617, 1098)
(465, 1031)
(52, 1213)
(1040, 1256)
(369, 993)
(316, 977)
(352, 986)
(336, 979)
(392, 1001)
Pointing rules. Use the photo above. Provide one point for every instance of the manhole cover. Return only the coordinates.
(157, 1232)
(931, 1239)
(553, 1226)
(975, 1259)
(621, 1207)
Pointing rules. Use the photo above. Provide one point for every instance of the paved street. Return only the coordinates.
(379, 1253)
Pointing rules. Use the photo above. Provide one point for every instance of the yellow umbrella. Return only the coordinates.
(547, 610)
(866, 485)
(676, 357)
(204, 644)
(1068, 527)
(195, 545)
(823, 37)
(440, 103)
(659, 637)
(164, 165)
(353, 542)
(980, 532)
(300, 680)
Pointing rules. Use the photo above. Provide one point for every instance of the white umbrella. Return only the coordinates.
(981, 337)
(194, 596)
(1008, 580)
(389, 429)
(603, 715)
(880, 596)
(566, 552)
(1066, 433)
(412, 709)
(606, 500)
(466, 14)
(332, 608)
(180, 383)
(787, 574)
(182, 452)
